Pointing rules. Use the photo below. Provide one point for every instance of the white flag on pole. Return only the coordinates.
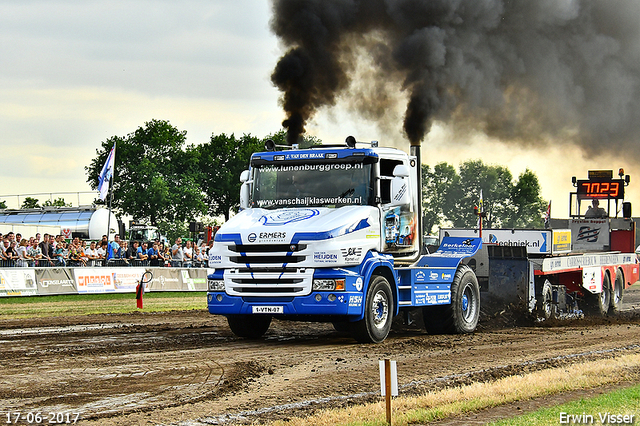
(106, 174)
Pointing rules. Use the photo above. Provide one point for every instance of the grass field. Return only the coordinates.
(423, 409)
(86, 304)
(619, 407)
(451, 402)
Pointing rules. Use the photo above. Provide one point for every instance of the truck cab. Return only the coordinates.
(320, 236)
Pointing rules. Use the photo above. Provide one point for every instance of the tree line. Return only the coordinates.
(162, 180)
(449, 196)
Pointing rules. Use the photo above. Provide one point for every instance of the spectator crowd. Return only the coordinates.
(56, 251)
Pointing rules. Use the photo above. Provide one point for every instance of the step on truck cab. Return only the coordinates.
(332, 233)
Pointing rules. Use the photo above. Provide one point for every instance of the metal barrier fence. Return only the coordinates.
(58, 263)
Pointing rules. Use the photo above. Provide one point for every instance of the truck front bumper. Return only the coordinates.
(317, 303)
(347, 302)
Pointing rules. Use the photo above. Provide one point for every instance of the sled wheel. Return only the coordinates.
(615, 305)
(598, 304)
(544, 306)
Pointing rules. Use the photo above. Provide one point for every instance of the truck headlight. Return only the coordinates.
(216, 285)
(328, 285)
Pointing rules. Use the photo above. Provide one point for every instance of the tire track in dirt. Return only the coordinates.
(164, 368)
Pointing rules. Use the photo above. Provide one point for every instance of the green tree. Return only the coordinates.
(438, 188)
(173, 230)
(449, 196)
(528, 204)
(58, 202)
(495, 183)
(220, 163)
(3, 204)
(30, 203)
(155, 178)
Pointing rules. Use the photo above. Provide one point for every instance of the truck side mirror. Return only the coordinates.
(400, 186)
(245, 189)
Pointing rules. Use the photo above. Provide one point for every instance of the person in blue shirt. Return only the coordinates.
(152, 252)
(142, 252)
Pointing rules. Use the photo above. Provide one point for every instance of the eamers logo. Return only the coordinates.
(266, 236)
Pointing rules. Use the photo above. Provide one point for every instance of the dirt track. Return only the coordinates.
(184, 366)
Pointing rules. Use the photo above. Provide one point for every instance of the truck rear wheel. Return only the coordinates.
(615, 305)
(461, 316)
(378, 313)
(598, 304)
(250, 326)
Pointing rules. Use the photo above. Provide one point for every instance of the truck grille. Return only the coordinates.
(257, 282)
(267, 259)
(270, 254)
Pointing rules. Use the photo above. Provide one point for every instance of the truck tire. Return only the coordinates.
(461, 316)
(545, 308)
(615, 305)
(249, 326)
(378, 313)
(598, 304)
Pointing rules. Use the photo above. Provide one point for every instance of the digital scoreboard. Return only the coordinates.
(600, 185)
(612, 189)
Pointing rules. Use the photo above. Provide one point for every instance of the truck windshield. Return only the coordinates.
(312, 185)
(144, 234)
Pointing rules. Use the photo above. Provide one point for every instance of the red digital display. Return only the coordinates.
(610, 189)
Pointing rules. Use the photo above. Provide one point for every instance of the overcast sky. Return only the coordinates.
(74, 73)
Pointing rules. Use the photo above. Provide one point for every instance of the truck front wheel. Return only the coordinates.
(250, 326)
(378, 313)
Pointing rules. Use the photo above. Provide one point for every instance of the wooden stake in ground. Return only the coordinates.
(388, 383)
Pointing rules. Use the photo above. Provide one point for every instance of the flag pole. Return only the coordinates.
(109, 208)
(106, 179)
(112, 180)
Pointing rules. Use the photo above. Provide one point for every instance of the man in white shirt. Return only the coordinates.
(177, 255)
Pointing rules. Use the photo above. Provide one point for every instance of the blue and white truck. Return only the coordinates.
(332, 233)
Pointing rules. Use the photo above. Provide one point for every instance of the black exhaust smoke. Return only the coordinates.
(520, 70)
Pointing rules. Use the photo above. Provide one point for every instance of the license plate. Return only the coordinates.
(267, 309)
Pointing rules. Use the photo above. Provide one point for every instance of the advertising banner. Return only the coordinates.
(589, 234)
(194, 279)
(536, 241)
(42, 281)
(55, 281)
(165, 279)
(125, 279)
(561, 241)
(94, 280)
(18, 282)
